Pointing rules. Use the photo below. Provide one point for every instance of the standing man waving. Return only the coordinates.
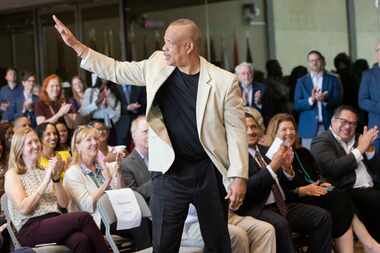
(197, 138)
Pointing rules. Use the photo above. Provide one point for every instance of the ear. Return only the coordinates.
(189, 47)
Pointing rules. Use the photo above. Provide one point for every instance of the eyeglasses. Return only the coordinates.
(347, 122)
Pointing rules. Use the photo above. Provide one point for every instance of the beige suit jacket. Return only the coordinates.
(219, 110)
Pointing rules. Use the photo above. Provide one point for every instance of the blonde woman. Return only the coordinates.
(88, 178)
(34, 197)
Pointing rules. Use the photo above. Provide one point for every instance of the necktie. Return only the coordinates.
(127, 93)
(280, 201)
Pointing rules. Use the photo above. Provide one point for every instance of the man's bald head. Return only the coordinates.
(191, 31)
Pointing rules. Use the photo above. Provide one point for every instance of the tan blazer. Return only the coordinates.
(219, 111)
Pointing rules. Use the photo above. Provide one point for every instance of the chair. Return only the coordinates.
(51, 248)
(117, 243)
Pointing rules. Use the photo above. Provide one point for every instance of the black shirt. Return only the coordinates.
(176, 99)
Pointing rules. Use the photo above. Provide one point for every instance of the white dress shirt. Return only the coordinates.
(317, 79)
(363, 178)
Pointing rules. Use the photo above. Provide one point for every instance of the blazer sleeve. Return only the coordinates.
(364, 98)
(301, 99)
(113, 70)
(236, 134)
(332, 166)
(76, 185)
(130, 180)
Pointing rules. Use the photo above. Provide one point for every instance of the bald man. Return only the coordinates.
(369, 95)
(197, 138)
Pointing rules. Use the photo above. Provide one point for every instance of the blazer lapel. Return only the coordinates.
(309, 84)
(325, 82)
(203, 93)
(160, 79)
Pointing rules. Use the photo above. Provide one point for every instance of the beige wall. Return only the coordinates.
(225, 23)
(367, 28)
(303, 25)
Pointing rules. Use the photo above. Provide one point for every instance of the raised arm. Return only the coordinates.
(104, 66)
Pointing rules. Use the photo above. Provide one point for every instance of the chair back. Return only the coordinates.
(10, 228)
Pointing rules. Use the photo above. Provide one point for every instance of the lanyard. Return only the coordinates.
(307, 176)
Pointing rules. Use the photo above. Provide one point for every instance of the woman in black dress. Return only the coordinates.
(304, 185)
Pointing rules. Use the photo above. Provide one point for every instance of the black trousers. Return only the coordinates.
(367, 205)
(304, 219)
(172, 194)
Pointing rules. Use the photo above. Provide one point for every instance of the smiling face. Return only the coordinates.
(287, 132)
(344, 125)
(77, 85)
(315, 63)
(174, 47)
(245, 75)
(53, 89)
(62, 132)
(29, 84)
(253, 131)
(88, 145)
(32, 147)
(50, 137)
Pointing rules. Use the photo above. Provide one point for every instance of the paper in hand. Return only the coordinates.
(275, 147)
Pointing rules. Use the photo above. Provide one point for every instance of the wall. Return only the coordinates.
(302, 25)
(225, 24)
(367, 28)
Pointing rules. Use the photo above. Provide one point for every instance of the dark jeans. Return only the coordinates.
(77, 231)
(172, 193)
(304, 219)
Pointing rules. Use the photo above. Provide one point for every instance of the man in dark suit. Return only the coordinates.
(135, 165)
(265, 199)
(369, 96)
(254, 94)
(316, 96)
(350, 164)
(133, 104)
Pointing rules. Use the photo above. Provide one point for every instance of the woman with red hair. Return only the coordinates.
(52, 106)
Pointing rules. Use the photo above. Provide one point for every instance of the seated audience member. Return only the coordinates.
(87, 179)
(6, 130)
(106, 153)
(254, 94)
(49, 139)
(52, 106)
(35, 196)
(101, 104)
(9, 95)
(20, 122)
(349, 162)
(247, 234)
(135, 165)
(25, 104)
(266, 198)
(63, 133)
(304, 185)
(77, 88)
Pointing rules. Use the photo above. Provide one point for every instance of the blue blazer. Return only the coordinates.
(369, 95)
(308, 118)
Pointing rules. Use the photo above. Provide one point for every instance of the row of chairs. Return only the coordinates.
(117, 243)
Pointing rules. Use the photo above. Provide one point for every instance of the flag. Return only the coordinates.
(224, 56)
(236, 52)
(212, 56)
(249, 54)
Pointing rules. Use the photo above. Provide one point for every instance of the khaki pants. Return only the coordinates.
(247, 234)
